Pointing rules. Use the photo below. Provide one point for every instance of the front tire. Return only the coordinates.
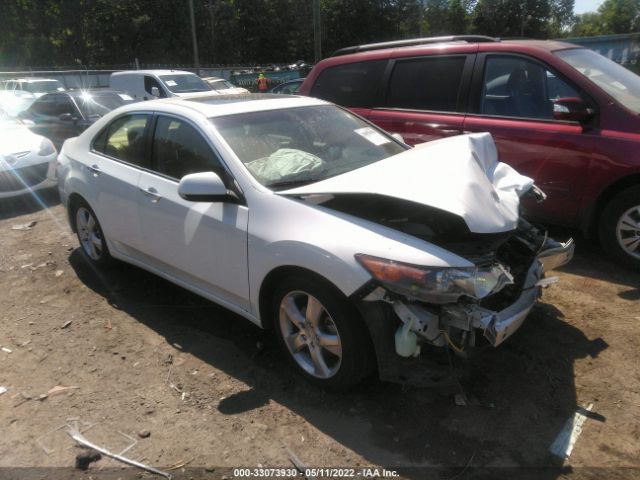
(92, 241)
(321, 333)
(620, 228)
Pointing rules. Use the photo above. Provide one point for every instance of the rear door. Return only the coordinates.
(200, 243)
(513, 100)
(111, 173)
(425, 97)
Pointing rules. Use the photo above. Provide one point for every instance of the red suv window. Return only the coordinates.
(427, 83)
(351, 84)
(517, 87)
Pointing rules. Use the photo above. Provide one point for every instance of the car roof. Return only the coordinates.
(30, 80)
(151, 72)
(80, 93)
(459, 46)
(548, 45)
(212, 105)
(93, 93)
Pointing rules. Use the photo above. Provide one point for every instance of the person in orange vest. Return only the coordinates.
(263, 83)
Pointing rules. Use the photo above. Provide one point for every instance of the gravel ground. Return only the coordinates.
(199, 390)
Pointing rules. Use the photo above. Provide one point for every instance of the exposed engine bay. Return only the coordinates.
(469, 205)
(518, 257)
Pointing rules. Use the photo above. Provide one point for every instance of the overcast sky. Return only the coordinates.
(582, 6)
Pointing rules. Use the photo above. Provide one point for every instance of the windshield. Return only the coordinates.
(46, 86)
(622, 84)
(296, 146)
(184, 83)
(98, 104)
(221, 85)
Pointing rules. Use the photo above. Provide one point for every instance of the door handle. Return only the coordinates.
(151, 193)
(448, 131)
(95, 170)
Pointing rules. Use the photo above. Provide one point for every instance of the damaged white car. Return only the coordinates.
(358, 251)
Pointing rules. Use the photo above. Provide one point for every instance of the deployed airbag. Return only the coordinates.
(284, 162)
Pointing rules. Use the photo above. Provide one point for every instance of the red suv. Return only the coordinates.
(559, 113)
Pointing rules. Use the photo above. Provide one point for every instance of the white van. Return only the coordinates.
(151, 84)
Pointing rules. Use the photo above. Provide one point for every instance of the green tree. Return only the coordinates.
(620, 16)
(561, 17)
(586, 25)
(437, 17)
(513, 18)
(458, 17)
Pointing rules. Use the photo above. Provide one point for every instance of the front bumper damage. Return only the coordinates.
(497, 326)
(456, 325)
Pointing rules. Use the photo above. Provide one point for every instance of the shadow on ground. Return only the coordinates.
(518, 395)
(592, 262)
(30, 203)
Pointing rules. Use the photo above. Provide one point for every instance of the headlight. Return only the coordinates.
(436, 284)
(46, 148)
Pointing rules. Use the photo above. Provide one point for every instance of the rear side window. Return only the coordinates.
(429, 83)
(351, 85)
(61, 105)
(179, 149)
(53, 106)
(43, 106)
(124, 139)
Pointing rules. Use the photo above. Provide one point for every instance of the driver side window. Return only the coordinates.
(150, 82)
(179, 149)
(516, 87)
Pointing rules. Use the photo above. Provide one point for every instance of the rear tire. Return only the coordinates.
(620, 228)
(321, 333)
(92, 241)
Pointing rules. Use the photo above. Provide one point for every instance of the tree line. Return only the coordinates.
(38, 33)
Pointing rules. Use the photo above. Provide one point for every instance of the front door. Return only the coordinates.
(200, 243)
(514, 102)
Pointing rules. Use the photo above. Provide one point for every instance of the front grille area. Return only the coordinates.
(20, 178)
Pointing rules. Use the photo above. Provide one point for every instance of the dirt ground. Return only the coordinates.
(214, 393)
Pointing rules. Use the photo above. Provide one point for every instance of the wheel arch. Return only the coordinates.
(271, 281)
(592, 220)
(73, 200)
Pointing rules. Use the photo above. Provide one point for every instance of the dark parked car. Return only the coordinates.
(561, 114)
(63, 115)
(288, 88)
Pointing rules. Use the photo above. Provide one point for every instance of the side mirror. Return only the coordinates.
(66, 117)
(204, 187)
(155, 91)
(571, 109)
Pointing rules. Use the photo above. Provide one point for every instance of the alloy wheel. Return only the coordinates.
(310, 334)
(628, 231)
(89, 233)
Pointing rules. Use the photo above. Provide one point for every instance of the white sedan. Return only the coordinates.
(357, 250)
(27, 160)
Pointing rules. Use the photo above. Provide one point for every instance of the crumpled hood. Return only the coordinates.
(461, 175)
